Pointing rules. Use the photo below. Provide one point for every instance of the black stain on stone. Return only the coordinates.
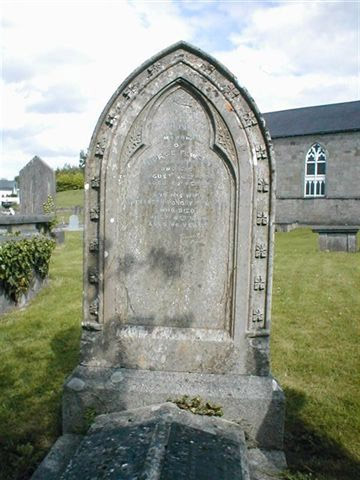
(169, 264)
(180, 321)
(126, 264)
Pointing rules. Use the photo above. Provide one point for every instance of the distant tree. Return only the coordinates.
(82, 159)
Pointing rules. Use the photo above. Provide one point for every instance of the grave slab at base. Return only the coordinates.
(256, 403)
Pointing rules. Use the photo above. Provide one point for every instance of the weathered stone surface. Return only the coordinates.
(173, 198)
(58, 458)
(36, 183)
(257, 403)
(179, 211)
(161, 442)
(266, 464)
(337, 238)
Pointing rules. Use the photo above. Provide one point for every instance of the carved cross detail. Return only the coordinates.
(134, 141)
(249, 119)
(261, 153)
(95, 182)
(131, 91)
(207, 68)
(232, 92)
(93, 276)
(100, 148)
(155, 68)
(262, 218)
(258, 318)
(259, 283)
(260, 250)
(111, 120)
(262, 185)
(94, 308)
(94, 214)
(94, 245)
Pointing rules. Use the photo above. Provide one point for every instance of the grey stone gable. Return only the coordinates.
(337, 117)
(7, 184)
(36, 161)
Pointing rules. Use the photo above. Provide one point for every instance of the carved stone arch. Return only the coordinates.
(240, 141)
(221, 138)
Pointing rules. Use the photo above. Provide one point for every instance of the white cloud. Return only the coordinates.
(298, 54)
(64, 59)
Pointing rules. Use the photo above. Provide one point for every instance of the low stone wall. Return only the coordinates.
(27, 224)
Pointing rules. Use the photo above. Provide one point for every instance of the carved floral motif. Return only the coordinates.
(93, 276)
(131, 91)
(94, 214)
(262, 218)
(223, 138)
(260, 250)
(258, 318)
(249, 119)
(232, 92)
(259, 283)
(154, 69)
(261, 153)
(94, 308)
(207, 68)
(94, 245)
(262, 185)
(134, 141)
(100, 148)
(95, 182)
(111, 120)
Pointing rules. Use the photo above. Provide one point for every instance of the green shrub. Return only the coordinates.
(21, 260)
(69, 180)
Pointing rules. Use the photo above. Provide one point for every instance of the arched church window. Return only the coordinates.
(315, 171)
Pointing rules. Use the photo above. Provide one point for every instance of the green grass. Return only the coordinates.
(65, 203)
(70, 198)
(39, 348)
(315, 356)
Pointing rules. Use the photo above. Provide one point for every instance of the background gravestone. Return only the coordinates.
(179, 211)
(73, 222)
(36, 183)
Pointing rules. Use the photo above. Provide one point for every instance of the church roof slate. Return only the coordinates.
(336, 117)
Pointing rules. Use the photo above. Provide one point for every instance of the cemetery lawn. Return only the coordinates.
(315, 357)
(69, 198)
(39, 348)
(316, 354)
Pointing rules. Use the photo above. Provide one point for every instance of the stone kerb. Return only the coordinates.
(178, 245)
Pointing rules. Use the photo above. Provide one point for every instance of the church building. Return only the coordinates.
(317, 152)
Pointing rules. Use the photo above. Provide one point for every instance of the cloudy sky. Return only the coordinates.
(62, 60)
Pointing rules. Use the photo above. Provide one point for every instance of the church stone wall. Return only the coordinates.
(341, 204)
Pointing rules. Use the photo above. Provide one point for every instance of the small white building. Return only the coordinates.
(8, 192)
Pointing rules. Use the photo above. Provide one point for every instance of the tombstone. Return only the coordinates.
(161, 441)
(179, 225)
(337, 238)
(73, 222)
(36, 183)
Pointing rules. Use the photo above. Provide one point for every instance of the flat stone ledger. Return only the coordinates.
(160, 441)
(178, 228)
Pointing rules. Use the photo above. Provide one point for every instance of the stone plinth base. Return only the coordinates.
(256, 403)
(337, 238)
(163, 442)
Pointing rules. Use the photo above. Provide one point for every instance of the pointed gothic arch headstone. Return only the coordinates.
(179, 210)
